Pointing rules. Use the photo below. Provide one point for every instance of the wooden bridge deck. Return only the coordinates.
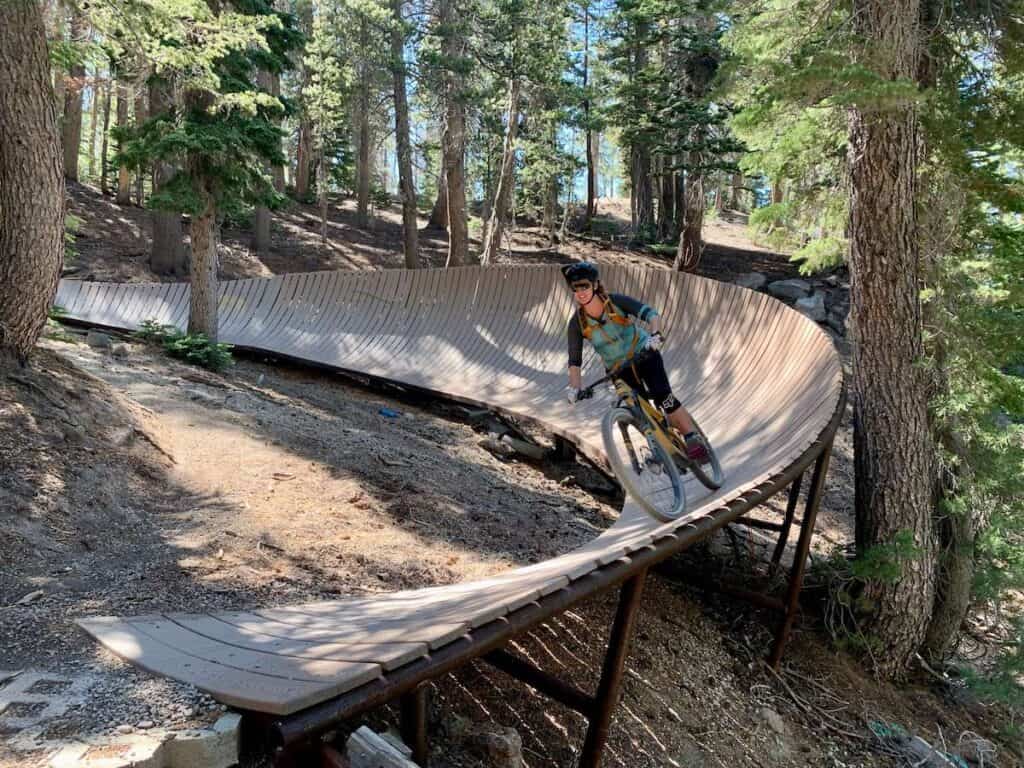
(763, 380)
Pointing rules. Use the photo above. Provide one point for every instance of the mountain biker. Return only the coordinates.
(608, 322)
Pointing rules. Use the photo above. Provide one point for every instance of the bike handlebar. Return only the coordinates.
(587, 392)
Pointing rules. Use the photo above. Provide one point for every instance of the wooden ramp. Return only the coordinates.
(763, 380)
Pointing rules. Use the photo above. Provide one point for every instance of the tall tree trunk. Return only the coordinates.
(202, 314)
(691, 246)
(104, 166)
(31, 181)
(591, 149)
(893, 451)
(439, 213)
(304, 147)
(503, 194)
(124, 190)
(667, 201)
(168, 255)
(550, 222)
(141, 115)
(453, 144)
(72, 125)
(737, 188)
(94, 113)
(406, 185)
(640, 174)
(321, 189)
(364, 158)
(261, 214)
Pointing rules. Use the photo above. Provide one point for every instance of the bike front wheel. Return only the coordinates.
(645, 469)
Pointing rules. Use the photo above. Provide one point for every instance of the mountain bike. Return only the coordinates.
(646, 454)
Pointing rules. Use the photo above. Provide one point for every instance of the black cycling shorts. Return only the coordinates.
(648, 376)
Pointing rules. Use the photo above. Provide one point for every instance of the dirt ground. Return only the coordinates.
(136, 485)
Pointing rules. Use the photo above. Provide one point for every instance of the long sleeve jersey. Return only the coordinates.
(612, 341)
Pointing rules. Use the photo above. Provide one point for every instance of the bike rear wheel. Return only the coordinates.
(645, 469)
(709, 473)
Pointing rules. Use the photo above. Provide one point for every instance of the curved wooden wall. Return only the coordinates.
(763, 380)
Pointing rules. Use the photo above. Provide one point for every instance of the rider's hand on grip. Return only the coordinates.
(571, 394)
(654, 342)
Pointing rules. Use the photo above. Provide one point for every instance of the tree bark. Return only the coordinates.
(453, 141)
(439, 213)
(667, 202)
(503, 194)
(406, 185)
(261, 214)
(304, 149)
(737, 188)
(202, 314)
(140, 115)
(591, 149)
(31, 181)
(104, 139)
(691, 246)
(364, 157)
(893, 450)
(72, 124)
(94, 113)
(640, 173)
(168, 254)
(124, 190)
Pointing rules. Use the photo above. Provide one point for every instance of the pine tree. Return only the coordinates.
(31, 214)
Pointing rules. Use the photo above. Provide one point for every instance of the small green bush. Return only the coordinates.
(195, 348)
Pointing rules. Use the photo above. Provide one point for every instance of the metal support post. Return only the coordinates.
(787, 523)
(413, 707)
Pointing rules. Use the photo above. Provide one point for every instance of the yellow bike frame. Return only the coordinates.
(657, 424)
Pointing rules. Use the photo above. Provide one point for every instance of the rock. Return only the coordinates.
(755, 281)
(773, 720)
(789, 290)
(120, 350)
(366, 749)
(503, 747)
(126, 729)
(215, 747)
(31, 597)
(812, 306)
(144, 725)
(98, 339)
(837, 323)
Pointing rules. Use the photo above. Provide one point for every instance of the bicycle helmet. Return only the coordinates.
(580, 270)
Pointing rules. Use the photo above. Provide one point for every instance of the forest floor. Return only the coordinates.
(135, 485)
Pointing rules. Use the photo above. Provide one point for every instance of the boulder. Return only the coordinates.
(813, 306)
(789, 290)
(98, 339)
(755, 281)
(837, 322)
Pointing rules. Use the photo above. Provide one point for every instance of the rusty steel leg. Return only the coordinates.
(803, 546)
(609, 688)
(787, 524)
(414, 722)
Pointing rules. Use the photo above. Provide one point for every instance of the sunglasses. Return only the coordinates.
(579, 287)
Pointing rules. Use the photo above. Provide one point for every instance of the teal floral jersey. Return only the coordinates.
(615, 335)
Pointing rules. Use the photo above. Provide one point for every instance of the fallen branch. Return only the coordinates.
(840, 727)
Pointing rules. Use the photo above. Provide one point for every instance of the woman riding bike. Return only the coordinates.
(608, 322)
